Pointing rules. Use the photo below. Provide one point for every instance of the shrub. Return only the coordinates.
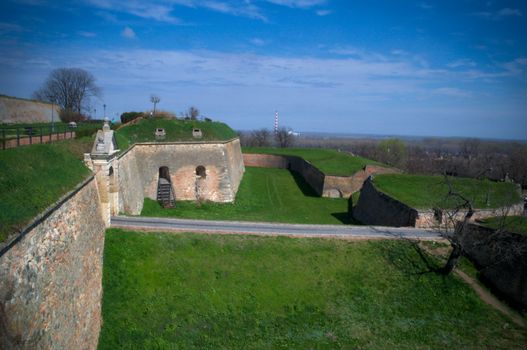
(67, 116)
(87, 131)
(127, 117)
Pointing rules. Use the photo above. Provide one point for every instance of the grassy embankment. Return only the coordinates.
(239, 292)
(422, 192)
(176, 130)
(517, 224)
(329, 161)
(274, 195)
(33, 177)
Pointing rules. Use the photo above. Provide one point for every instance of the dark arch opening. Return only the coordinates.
(201, 171)
(164, 173)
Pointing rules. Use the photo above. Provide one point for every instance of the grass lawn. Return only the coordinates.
(517, 224)
(329, 161)
(33, 177)
(176, 130)
(187, 291)
(276, 195)
(422, 192)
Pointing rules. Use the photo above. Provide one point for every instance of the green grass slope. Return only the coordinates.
(421, 191)
(187, 291)
(329, 161)
(516, 224)
(33, 177)
(176, 130)
(275, 195)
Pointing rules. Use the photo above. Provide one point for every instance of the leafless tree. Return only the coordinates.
(69, 88)
(155, 100)
(192, 113)
(284, 137)
(261, 138)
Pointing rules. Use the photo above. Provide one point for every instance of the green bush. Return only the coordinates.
(129, 116)
(67, 116)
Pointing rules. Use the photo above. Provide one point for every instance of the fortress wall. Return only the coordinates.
(234, 159)
(139, 172)
(377, 208)
(51, 275)
(130, 184)
(324, 185)
(14, 110)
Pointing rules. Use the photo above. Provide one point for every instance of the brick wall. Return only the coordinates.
(50, 277)
(14, 110)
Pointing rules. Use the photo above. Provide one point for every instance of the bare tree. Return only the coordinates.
(69, 88)
(261, 138)
(284, 137)
(192, 113)
(155, 100)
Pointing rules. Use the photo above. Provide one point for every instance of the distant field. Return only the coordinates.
(330, 162)
(420, 191)
(517, 224)
(275, 195)
(176, 130)
(187, 291)
(33, 177)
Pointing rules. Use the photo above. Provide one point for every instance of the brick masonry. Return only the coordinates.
(51, 279)
(138, 172)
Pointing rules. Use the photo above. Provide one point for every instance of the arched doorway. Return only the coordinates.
(201, 175)
(165, 194)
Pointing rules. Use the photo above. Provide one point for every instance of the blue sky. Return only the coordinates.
(432, 68)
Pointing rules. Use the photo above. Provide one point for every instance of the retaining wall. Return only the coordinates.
(324, 185)
(377, 208)
(16, 110)
(51, 277)
(501, 258)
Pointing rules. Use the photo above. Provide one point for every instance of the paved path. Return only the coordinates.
(260, 228)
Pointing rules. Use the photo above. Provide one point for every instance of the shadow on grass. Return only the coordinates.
(345, 218)
(306, 189)
(414, 261)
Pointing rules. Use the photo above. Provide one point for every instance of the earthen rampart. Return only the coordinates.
(377, 208)
(323, 184)
(51, 277)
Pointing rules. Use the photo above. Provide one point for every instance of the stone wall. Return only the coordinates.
(129, 182)
(324, 185)
(501, 258)
(51, 275)
(138, 172)
(15, 110)
(377, 208)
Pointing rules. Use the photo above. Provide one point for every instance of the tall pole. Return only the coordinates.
(276, 122)
(104, 106)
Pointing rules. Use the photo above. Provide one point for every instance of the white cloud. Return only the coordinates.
(128, 33)
(464, 62)
(298, 3)
(498, 15)
(87, 34)
(161, 12)
(258, 42)
(323, 12)
(452, 92)
(425, 6)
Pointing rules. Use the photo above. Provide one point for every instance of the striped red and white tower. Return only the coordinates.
(276, 122)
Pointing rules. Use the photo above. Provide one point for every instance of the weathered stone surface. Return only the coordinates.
(16, 110)
(501, 258)
(50, 280)
(138, 172)
(377, 208)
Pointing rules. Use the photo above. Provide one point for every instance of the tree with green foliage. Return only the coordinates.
(393, 152)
